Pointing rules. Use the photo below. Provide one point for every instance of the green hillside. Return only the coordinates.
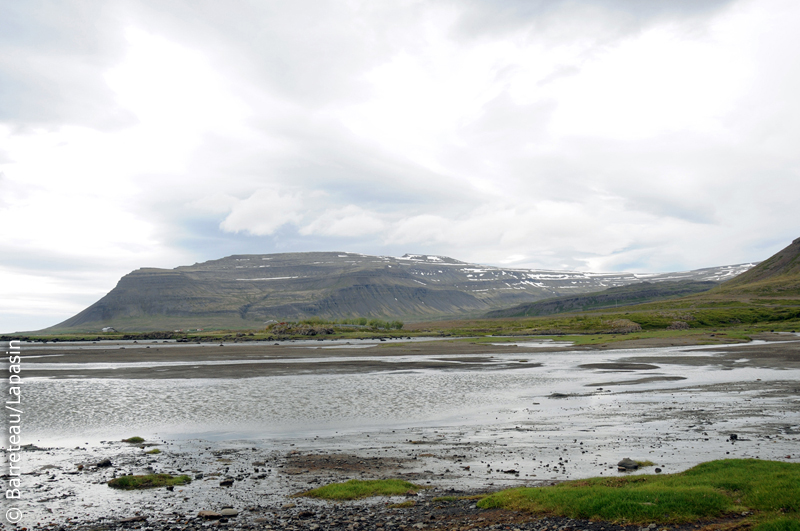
(777, 276)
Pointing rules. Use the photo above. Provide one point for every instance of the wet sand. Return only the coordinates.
(578, 434)
(331, 358)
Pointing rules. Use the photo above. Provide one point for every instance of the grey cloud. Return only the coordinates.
(54, 55)
(307, 51)
(620, 17)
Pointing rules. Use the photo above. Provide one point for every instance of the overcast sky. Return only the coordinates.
(606, 135)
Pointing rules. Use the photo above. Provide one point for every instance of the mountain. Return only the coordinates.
(609, 298)
(778, 275)
(244, 291)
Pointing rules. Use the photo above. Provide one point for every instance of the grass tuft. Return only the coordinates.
(356, 488)
(153, 451)
(768, 489)
(133, 440)
(149, 481)
(402, 505)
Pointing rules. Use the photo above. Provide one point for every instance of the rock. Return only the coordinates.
(658, 470)
(134, 519)
(734, 437)
(227, 482)
(229, 511)
(627, 464)
(105, 463)
(209, 514)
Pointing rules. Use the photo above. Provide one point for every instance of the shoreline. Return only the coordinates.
(572, 436)
(247, 361)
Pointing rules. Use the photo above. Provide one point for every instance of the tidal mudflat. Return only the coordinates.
(454, 416)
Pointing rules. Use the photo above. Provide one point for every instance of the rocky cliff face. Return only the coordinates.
(243, 291)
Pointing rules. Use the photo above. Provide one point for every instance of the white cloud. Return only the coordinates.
(586, 135)
(350, 221)
(264, 212)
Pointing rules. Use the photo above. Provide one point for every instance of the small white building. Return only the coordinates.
(108, 329)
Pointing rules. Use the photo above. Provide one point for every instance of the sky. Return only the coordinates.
(592, 135)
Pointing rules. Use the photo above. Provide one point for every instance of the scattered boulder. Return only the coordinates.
(105, 463)
(734, 437)
(227, 482)
(229, 511)
(627, 464)
(134, 519)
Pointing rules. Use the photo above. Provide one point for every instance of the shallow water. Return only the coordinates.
(460, 425)
(511, 388)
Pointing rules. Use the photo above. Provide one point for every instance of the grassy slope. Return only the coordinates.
(769, 490)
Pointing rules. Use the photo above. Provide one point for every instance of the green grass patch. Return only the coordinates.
(644, 464)
(711, 490)
(356, 489)
(149, 481)
(402, 505)
(153, 451)
(133, 440)
(779, 524)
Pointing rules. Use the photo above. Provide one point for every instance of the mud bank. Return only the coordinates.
(545, 431)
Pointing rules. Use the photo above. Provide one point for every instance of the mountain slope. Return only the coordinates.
(779, 275)
(243, 291)
(610, 298)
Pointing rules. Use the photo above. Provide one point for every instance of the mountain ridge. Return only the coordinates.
(244, 291)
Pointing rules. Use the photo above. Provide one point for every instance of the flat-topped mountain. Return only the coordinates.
(244, 291)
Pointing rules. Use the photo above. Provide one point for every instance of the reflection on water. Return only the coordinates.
(541, 343)
(326, 403)
(269, 405)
